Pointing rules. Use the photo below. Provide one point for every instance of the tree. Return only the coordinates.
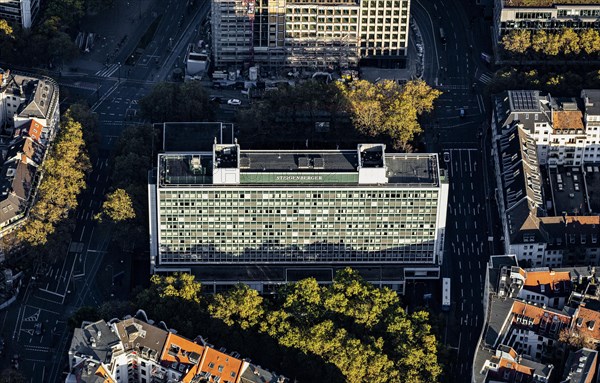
(569, 41)
(5, 28)
(553, 44)
(590, 41)
(89, 125)
(240, 306)
(352, 325)
(11, 375)
(64, 178)
(575, 340)
(518, 41)
(352, 296)
(177, 102)
(387, 108)
(117, 207)
(539, 41)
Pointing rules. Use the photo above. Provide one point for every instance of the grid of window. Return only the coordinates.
(319, 225)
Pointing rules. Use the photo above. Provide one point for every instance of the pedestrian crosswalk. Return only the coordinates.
(485, 78)
(109, 71)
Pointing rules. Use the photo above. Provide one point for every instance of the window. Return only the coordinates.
(211, 365)
(220, 368)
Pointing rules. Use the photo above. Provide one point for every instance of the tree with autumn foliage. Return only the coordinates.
(388, 108)
(64, 171)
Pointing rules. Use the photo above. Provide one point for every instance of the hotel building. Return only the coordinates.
(281, 215)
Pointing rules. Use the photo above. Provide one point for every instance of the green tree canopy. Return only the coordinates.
(177, 102)
(352, 325)
(240, 306)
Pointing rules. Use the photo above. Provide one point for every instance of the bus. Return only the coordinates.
(445, 294)
(442, 35)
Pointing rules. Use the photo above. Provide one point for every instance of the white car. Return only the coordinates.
(234, 101)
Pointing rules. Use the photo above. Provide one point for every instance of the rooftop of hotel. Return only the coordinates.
(296, 167)
(547, 3)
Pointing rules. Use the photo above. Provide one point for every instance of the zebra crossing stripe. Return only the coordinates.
(486, 79)
(107, 72)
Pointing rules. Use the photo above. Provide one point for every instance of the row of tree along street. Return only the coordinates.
(353, 110)
(51, 39)
(349, 331)
(540, 44)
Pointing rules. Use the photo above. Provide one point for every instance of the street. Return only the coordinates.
(35, 327)
(453, 66)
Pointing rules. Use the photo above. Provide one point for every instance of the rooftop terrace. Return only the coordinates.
(295, 167)
(547, 3)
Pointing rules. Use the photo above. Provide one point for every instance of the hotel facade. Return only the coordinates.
(300, 210)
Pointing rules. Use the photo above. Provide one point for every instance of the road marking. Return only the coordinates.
(82, 231)
(459, 265)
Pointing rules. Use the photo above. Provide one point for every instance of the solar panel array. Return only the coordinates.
(525, 101)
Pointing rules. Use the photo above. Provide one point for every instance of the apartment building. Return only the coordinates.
(581, 366)
(300, 33)
(22, 12)
(132, 350)
(29, 117)
(295, 211)
(547, 166)
(523, 337)
(549, 15)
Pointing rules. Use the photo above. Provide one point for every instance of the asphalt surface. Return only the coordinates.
(57, 290)
(453, 65)
(114, 90)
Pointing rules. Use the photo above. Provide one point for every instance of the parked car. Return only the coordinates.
(462, 113)
(38, 328)
(446, 157)
(234, 101)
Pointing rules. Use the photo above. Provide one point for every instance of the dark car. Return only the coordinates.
(38, 328)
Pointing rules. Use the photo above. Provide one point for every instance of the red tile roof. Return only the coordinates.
(35, 130)
(222, 365)
(587, 322)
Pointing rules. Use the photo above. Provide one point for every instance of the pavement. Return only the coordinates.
(88, 274)
(454, 67)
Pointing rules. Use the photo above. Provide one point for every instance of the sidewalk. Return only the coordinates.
(116, 30)
(371, 73)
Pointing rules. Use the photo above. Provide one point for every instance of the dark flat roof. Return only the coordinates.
(309, 161)
(412, 168)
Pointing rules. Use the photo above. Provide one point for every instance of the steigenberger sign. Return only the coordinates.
(298, 178)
